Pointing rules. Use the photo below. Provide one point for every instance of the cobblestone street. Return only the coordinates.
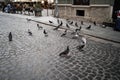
(37, 57)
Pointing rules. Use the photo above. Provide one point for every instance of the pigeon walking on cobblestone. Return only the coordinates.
(67, 20)
(39, 27)
(104, 25)
(10, 36)
(28, 19)
(76, 24)
(94, 23)
(84, 40)
(78, 29)
(29, 32)
(71, 23)
(65, 52)
(65, 32)
(82, 23)
(67, 25)
(50, 22)
(89, 27)
(58, 21)
(45, 33)
(76, 35)
(61, 23)
(83, 44)
(58, 26)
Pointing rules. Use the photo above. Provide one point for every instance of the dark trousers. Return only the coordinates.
(117, 27)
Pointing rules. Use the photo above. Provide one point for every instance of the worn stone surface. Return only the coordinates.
(36, 57)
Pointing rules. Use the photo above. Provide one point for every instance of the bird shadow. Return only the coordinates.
(74, 37)
(46, 35)
(66, 56)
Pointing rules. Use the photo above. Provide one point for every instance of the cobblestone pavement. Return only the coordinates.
(36, 57)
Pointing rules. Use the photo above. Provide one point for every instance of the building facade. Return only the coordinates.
(93, 10)
(1, 3)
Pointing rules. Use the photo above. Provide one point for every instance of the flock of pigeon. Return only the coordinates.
(75, 33)
(60, 24)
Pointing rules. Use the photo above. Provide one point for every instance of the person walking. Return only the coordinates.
(117, 27)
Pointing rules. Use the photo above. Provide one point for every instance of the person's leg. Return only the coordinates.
(117, 26)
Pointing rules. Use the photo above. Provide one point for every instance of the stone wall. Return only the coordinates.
(97, 13)
(100, 13)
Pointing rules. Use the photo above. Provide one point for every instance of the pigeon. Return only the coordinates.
(46, 34)
(65, 32)
(83, 43)
(78, 29)
(81, 22)
(29, 32)
(28, 19)
(65, 52)
(84, 40)
(39, 27)
(104, 25)
(50, 21)
(80, 47)
(61, 23)
(71, 23)
(74, 32)
(76, 24)
(89, 27)
(67, 19)
(10, 36)
(94, 23)
(58, 26)
(58, 21)
(67, 25)
(76, 35)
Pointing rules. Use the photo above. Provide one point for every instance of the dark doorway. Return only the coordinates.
(80, 12)
(116, 7)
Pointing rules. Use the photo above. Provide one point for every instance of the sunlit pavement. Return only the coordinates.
(37, 57)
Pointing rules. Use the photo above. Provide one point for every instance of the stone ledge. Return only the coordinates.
(85, 6)
(99, 5)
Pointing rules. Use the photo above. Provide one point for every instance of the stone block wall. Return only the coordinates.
(97, 13)
(100, 13)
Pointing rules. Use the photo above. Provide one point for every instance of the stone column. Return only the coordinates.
(56, 13)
